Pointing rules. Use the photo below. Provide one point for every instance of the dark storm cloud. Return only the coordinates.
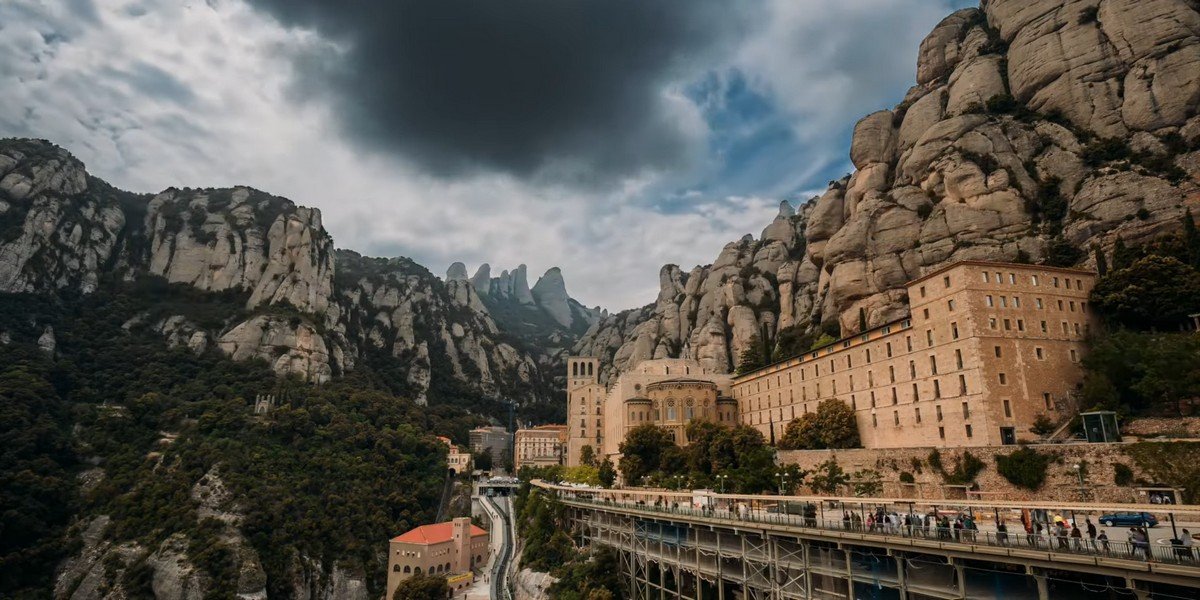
(516, 86)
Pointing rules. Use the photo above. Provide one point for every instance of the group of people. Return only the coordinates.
(961, 528)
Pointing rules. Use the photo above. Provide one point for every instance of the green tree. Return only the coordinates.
(1098, 393)
(587, 456)
(867, 482)
(1172, 371)
(642, 451)
(1123, 256)
(1101, 260)
(828, 478)
(832, 426)
(1191, 239)
(607, 472)
(1153, 292)
(422, 587)
(1024, 468)
(482, 460)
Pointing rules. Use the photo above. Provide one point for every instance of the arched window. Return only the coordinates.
(396, 568)
(417, 570)
(575, 369)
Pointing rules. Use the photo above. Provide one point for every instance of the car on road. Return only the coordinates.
(1130, 519)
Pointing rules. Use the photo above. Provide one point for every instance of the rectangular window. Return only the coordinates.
(1074, 356)
(1064, 328)
(1007, 409)
(1046, 400)
(999, 277)
(916, 394)
(1007, 325)
(1003, 301)
(889, 349)
(950, 305)
(1055, 282)
(912, 369)
(938, 410)
(1077, 329)
(895, 400)
(991, 302)
(872, 399)
(917, 414)
(1012, 278)
(985, 276)
(962, 385)
(958, 358)
(896, 418)
(908, 341)
(992, 322)
(1003, 379)
(922, 291)
(933, 365)
(937, 389)
(946, 281)
(996, 349)
(1039, 304)
(1016, 302)
(942, 432)
(1060, 305)
(925, 313)
(874, 421)
(929, 336)
(1034, 279)
(1068, 283)
(868, 356)
(1044, 328)
(849, 363)
(1041, 355)
(966, 410)
(969, 433)
(892, 374)
(954, 330)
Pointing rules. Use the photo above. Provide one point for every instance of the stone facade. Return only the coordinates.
(654, 391)
(451, 548)
(540, 446)
(986, 349)
(496, 441)
(456, 460)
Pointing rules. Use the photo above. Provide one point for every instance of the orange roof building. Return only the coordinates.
(452, 548)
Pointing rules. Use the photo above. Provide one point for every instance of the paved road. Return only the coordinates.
(498, 510)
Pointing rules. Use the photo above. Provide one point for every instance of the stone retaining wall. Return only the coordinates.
(1062, 480)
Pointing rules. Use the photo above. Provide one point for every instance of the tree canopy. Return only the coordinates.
(422, 587)
(832, 426)
(1153, 292)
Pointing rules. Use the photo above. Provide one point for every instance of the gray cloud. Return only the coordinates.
(527, 87)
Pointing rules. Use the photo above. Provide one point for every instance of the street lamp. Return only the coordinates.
(782, 481)
(721, 480)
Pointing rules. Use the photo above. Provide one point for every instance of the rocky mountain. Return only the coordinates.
(1037, 131)
(300, 304)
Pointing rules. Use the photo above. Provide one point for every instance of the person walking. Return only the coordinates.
(1188, 544)
(1103, 539)
(1076, 539)
(1091, 532)
(1002, 533)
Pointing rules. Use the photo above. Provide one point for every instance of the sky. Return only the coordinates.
(605, 137)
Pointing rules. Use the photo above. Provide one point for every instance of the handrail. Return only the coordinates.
(688, 495)
(1128, 552)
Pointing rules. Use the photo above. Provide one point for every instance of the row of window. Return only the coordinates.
(1034, 280)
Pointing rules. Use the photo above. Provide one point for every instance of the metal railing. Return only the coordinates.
(919, 527)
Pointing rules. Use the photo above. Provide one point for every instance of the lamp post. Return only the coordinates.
(782, 481)
(721, 480)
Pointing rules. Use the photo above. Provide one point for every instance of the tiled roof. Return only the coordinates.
(434, 534)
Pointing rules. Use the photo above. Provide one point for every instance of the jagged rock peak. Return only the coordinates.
(520, 285)
(550, 293)
(785, 210)
(456, 272)
(482, 281)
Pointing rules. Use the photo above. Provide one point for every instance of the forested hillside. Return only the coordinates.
(145, 469)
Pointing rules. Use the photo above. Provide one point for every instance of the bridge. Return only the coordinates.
(699, 545)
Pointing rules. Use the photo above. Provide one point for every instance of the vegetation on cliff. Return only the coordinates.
(316, 482)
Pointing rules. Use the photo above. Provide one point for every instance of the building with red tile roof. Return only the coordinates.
(452, 548)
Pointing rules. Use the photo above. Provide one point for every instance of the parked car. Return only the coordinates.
(1129, 519)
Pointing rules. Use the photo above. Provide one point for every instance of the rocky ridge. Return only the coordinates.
(1036, 131)
(298, 303)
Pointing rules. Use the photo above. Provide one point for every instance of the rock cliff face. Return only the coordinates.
(1038, 129)
(304, 308)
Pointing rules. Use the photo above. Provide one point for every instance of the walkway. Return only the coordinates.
(498, 510)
